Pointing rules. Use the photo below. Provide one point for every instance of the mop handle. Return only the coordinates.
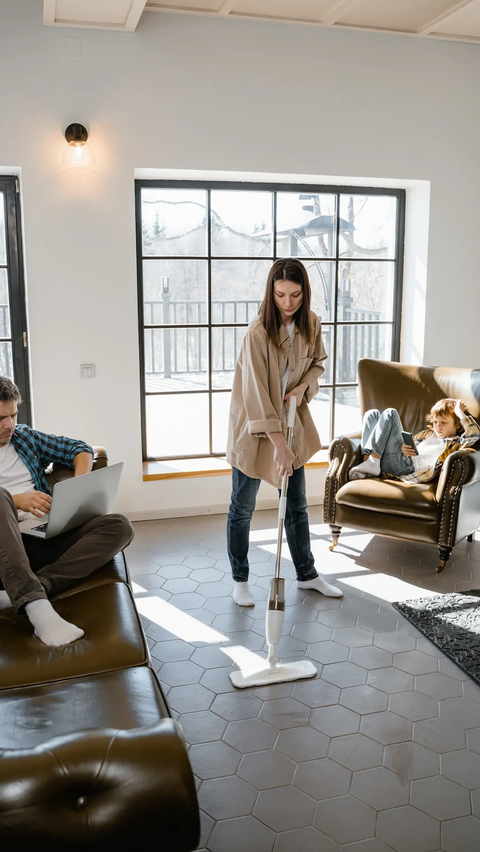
(292, 408)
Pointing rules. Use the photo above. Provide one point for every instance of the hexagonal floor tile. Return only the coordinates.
(458, 835)
(250, 735)
(266, 770)
(322, 778)
(411, 760)
(356, 751)
(364, 699)
(345, 819)
(423, 833)
(380, 788)
(284, 713)
(284, 808)
(302, 744)
(335, 720)
(438, 735)
(240, 834)
(440, 798)
(224, 798)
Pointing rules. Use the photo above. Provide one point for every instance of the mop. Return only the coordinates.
(275, 672)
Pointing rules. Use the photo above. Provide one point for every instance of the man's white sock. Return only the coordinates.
(49, 626)
(4, 600)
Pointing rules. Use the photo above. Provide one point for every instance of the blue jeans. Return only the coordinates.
(242, 506)
(382, 433)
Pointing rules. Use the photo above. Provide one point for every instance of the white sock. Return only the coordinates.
(319, 585)
(370, 467)
(49, 626)
(4, 599)
(242, 595)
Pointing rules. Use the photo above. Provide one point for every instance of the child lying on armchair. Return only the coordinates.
(449, 427)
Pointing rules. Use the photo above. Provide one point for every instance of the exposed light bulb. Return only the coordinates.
(78, 153)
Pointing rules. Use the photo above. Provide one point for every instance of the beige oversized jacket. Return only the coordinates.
(257, 407)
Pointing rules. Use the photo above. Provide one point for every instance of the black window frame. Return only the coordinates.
(275, 188)
(10, 187)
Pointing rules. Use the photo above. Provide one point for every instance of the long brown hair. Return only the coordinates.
(288, 269)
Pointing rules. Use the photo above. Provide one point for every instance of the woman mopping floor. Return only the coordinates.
(276, 672)
(282, 357)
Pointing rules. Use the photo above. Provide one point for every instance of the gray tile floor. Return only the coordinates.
(379, 751)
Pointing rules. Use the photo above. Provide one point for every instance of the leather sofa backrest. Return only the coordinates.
(413, 389)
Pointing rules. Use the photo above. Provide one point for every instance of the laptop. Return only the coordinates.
(77, 500)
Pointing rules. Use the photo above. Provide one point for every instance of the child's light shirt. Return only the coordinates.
(433, 451)
(428, 453)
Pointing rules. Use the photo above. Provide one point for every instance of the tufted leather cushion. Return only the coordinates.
(124, 699)
(390, 497)
(113, 639)
(88, 788)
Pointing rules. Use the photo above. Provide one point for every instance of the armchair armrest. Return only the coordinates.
(55, 472)
(459, 467)
(100, 457)
(344, 452)
(458, 494)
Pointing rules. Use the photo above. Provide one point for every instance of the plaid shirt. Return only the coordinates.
(38, 449)
(467, 435)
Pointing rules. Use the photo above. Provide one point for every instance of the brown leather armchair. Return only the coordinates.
(442, 512)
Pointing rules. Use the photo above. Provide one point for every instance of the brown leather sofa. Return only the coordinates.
(442, 512)
(89, 751)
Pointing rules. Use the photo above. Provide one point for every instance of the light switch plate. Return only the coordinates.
(87, 371)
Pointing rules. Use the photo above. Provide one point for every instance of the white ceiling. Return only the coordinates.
(453, 20)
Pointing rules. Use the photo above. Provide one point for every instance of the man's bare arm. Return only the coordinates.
(82, 463)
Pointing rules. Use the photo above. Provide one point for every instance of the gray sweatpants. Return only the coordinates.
(33, 568)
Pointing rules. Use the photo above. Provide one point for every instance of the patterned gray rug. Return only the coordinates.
(452, 623)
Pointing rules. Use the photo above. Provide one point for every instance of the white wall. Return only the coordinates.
(190, 92)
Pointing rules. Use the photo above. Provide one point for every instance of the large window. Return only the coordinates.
(204, 250)
(13, 324)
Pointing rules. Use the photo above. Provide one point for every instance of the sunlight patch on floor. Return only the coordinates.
(387, 588)
(262, 536)
(243, 657)
(178, 623)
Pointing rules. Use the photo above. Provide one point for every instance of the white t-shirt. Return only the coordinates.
(14, 474)
(290, 329)
(428, 452)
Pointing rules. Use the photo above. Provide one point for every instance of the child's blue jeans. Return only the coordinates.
(382, 433)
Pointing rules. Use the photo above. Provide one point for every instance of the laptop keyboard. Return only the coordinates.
(41, 528)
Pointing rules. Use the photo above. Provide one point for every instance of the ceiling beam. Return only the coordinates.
(129, 25)
(226, 7)
(338, 10)
(441, 19)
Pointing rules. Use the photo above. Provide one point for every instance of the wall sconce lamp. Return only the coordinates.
(78, 153)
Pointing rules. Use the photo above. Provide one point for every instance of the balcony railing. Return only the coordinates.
(182, 352)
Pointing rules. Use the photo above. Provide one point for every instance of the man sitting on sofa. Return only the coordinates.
(32, 569)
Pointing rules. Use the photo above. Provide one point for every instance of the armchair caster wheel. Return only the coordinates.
(335, 531)
(443, 555)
